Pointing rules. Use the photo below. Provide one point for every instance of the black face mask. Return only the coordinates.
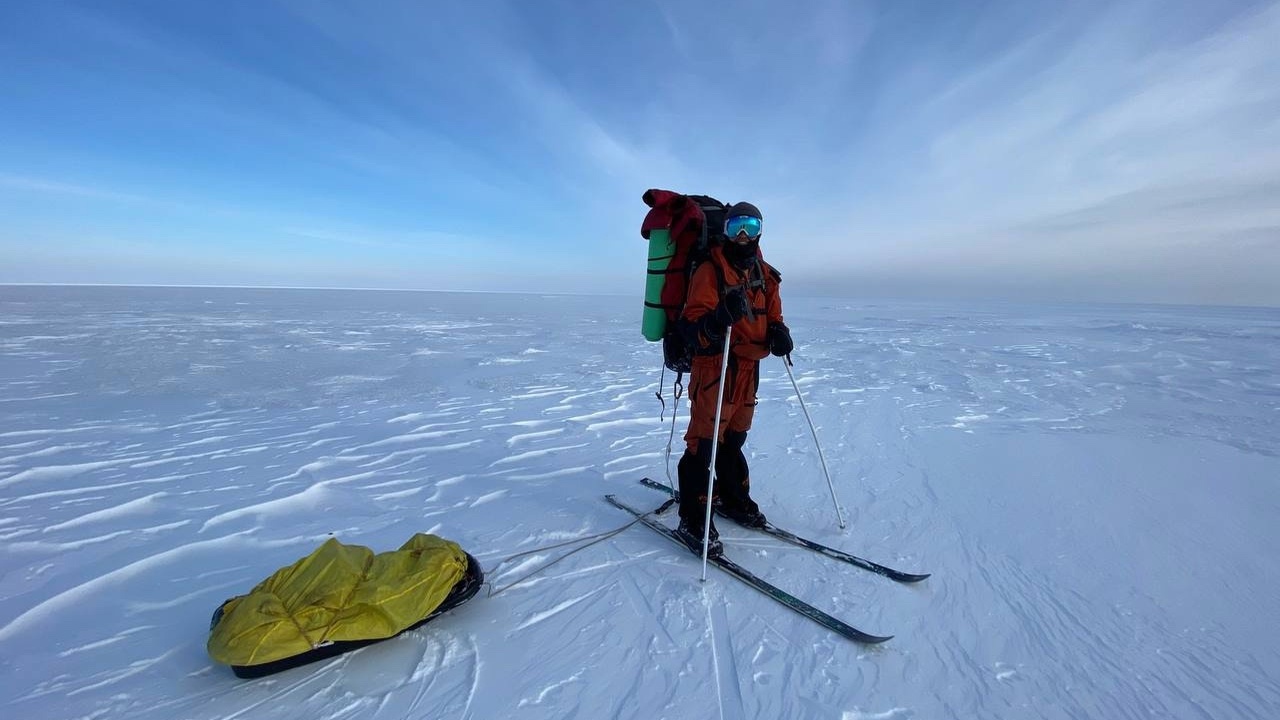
(741, 254)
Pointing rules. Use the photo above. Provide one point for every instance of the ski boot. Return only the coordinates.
(691, 535)
(733, 483)
(743, 511)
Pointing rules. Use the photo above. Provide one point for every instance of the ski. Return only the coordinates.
(771, 529)
(831, 623)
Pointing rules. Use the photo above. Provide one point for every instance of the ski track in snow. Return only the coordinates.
(1091, 487)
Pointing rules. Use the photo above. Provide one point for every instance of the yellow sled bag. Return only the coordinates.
(338, 598)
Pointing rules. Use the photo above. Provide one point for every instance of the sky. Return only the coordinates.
(1113, 152)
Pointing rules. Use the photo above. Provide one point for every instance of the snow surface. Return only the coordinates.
(1094, 488)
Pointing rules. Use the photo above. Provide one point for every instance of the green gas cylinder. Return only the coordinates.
(661, 249)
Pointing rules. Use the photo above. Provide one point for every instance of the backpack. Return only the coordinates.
(695, 224)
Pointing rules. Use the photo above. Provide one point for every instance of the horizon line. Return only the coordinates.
(919, 300)
(302, 287)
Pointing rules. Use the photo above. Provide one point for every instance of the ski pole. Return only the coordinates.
(715, 445)
(675, 409)
(786, 362)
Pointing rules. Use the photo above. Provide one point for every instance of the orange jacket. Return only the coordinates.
(750, 336)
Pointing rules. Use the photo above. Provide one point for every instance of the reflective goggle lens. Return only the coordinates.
(742, 224)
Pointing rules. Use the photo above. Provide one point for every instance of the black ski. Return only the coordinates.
(834, 624)
(771, 529)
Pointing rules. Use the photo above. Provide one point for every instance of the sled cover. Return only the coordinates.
(337, 593)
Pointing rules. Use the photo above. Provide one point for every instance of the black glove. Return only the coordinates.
(732, 308)
(780, 340)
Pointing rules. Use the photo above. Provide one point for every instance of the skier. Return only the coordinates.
(735, 288)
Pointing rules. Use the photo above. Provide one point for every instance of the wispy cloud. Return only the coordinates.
(968, 144)
(30, 184)
(1100, 145)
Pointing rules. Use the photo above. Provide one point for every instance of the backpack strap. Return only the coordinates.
(720, 284)
(755, 276)
(756, 273)
(755, 279)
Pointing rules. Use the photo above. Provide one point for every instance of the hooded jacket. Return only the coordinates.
(750, 339)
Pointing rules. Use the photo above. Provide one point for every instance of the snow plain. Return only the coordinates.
(1095, 489)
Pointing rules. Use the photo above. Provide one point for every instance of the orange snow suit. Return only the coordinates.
(749, 343)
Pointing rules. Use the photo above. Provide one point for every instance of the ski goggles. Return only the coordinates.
(742, 224)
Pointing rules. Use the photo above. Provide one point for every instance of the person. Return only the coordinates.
(735, 288)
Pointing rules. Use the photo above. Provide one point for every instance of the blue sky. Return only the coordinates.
(1019, 150)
